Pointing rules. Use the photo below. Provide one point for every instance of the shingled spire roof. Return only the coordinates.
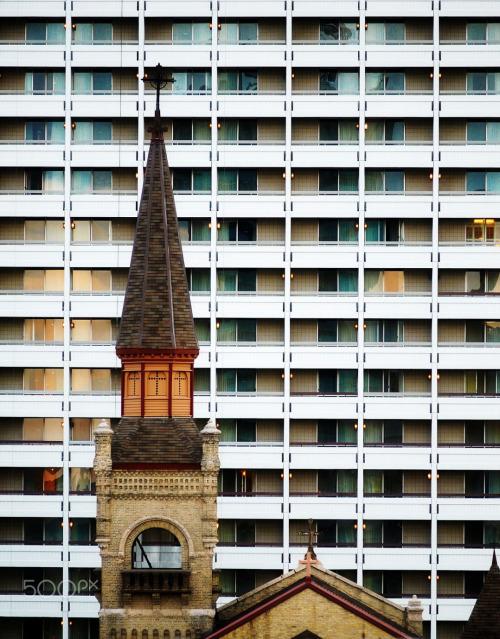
(484, 622)
(157, 311)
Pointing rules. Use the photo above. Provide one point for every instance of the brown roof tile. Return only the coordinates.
(157, 309)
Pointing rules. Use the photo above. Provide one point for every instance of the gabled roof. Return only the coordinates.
(144, 442)
(359, 601)
(484, 622)
(157, 311)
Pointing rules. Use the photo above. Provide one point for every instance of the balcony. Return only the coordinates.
(398, 255)
(19, 53)
(399, 104)
(93, 355)
(460, 558)
(321, 8)
(480, 155)
(468, 306)
(248, 254)
(26, 153)
(323, 203)
(259, 54)
(259, 405)
(84, 404)
(404, 53)
(333, 54)
(401, 305)
(42, 9)
(240, 556)
(259, 9)
(101, 254)
(262, 355)
(12, 504)
(19, 455)
(308, 456)
(108, 154)
(321, 354)
(325, 104)
(111, 54)
(407, 154)
(255, 154)
(318, 505)
(307, 254)
(268, 203)
(250, 507)
(397, 355)
(194, 104)
(467, 457)
(463, 54)
(415, 204)
(243, 305)
(112, 9)
(390, 558)
(31, 354)
(251, 104)
(102, 104)
(254, 454)
(116, 203)
(314, 154)
(460, 104)
(397, 508)
(200, 8)
(472, 255)
(32, 404)
(96, 305)
(473, 406)
(383, 405)
(461, 8)
(383, 8)
(341, 305)
(468, 204)
(176, 54)
(21, 203)
(341, 558)
(316, 406)
(468, 355)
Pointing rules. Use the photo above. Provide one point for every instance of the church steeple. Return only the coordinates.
(157, 343)
(156, 474)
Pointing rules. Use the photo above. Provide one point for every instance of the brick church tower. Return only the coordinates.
(157, 473)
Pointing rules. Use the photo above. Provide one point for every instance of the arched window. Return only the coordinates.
(156, 548)
(133, 384)
(157, 384)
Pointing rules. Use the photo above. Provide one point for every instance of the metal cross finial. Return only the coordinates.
(311, 533)
(158, 79)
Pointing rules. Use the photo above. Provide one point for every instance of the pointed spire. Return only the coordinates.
(494, 560)
(151, 321)
(484, 622)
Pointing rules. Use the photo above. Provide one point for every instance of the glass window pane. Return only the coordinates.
(226, 279)
(202, 180)
(329, 30)
(200, 280)
(375, 131)
(228, 81)
(328, 179)
(328, 130)
(35, 130)
(53, 181)
(226, 380)
(101, 280)
(327, 381)
(394, 81)
(347, 231)
(101, 379)
(54, 280)
(493, 129)
(375, 32)
(201, 32)
(81, 280)
(55, 131)
(82, 131)
(200, 231)
(82, 82)
(81, 181)
(80, 379)
(182, 179)
(348, 181)
(374, 82)
(394, 181)
(348, 381)
(228, 130)
(247, 279)
(102, 180)
(347, 331)
(374, 180)
(226, 331)
(182, 129)
(34, 379)
(348, 281)
(246, 381)
(101, 330)
(328, 230)
(35, 31)
(201, 130)
(229, 32)
(228, 180)
(247, 180)
(200, 82)
(83, 32)
(493, 181)
(476, 31)
(103, 31)
(476, 131)
(476, 181)
(476, 82)
(248, 80)
(394, 130)
(348, 31)
(181, 31)
(100, 230)
(102, 131)
(81, 331)
(54, 379)
(328, 81)
(393, 281)
(247, 130)
(248, 31)
(327, 330)
(247, 231)
(180, 81)
(492, 331)
(374, 281)
(101, 81)
(327, 280)
(34, 230)
(348, 82)
(395, 31)
(247, 330)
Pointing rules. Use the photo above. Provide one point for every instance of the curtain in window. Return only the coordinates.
(201, 32)
(348, 82)
(226, 380)
(226, 280)
(493, 129)
(346, 534)
(346, 432)
(375, 131)
(228, 430)
(348, 181)
(55, 131)
(101, 131)
(476, 131)
(228, 81)
(373, 432)
(53, 530)
(83, 132)
(81, 181)
(228, 32)
(201, 81)
(80, 479)
(226, 532)
(328, 81)
(394, 130)
(101, 379)
(228, 130)
(373, 381)
(201, 130)
(348, 31)
(394, 181)
(372, 481)
(394, 31)
(348, 131)
(374, 82)
(53, 181)
(374, 281)
(246, 380)
(101, 81)
(228, 180)
(226, 331)
(82, 32)
(494, 32)
(348, 281)
(348, 381)
(373, 532)
(82, 82)
(248, 31)
(247, 330)
(101, 180)
(200, 280)
(347, 231)
(35, 32)
(375, 231)
(346, 331)
(492, 331)
(492, 432)
(181, 32)
(493, 181)
(493, 482)
(227, 582)
(494, 82)
(346, 481)
(180, 84)
(394, 81)
(375, 32)
(55, 32)
(103, 32)
(247, 80)
(327, 330)
(247, 280)
(374, 180)
(80, 530)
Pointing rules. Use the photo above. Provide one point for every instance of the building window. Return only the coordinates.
(385, 82)
(45, 82)
(192, 82)
(45, 33)
(91, 280)
(238, 32)
(44, 181)
(381, 331)
(237, 280)
(90, 181)
(44, 131)
(245, 81)
(343, 131)
(331, 331)
(384, 281)
(383, 482)
(92, 82)
(384, 231)
(339, 82)
(334, 31)
(43, 330)
(389, 431)
(91, 231)
(233, 331)
(337, 381)
(377, 381)
(483, 131)
(191, 33)
(235, 381)
(193, 181)
(244, 130)
(156, 384)
(155, 549)
(198, 280)
(385, 32)
(337, 482)
(385, 181)
(194, 231)
(337, 231)
(43, 231)
(483, 32)
(92, 132)
(133, 384)
(93, 33)
(383, 533)
(335, 181)
(40, 280)
(483, 82)
(236, 231)
(238, 430)
(191, 130)
(92, 380)
(333, 281)
(336, 431)
(387, 131)
(483, 181)
(237, 181)
(43, 379)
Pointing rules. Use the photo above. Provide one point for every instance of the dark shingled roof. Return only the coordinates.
(156, 440)
(484, 622)
(157, 309)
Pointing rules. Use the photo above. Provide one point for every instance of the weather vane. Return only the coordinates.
(158, 80)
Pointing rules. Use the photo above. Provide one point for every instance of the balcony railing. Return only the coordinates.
(156, 580)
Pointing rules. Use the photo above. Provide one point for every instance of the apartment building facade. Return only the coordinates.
(336, 174)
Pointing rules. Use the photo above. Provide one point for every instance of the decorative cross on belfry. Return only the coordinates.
(311, 533)
(158, 79)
